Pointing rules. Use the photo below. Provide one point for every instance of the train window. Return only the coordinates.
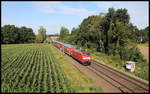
(76, 50)
(86, 54)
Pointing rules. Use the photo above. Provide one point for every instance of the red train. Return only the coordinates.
(81, 55)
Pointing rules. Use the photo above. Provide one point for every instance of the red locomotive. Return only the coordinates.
(80, 55)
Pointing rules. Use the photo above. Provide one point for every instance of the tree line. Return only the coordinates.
(10, 34)
(111, 33)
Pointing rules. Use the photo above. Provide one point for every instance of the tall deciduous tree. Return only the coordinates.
(41, 35)
(110, 19)
(109, 33)
(120, 35)
(64, 34)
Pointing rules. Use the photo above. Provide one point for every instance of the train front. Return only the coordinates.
(86, 58)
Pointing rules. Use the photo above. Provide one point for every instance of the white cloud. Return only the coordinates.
(47, 7)
(103, 6)
(58, 7)
(139, 11)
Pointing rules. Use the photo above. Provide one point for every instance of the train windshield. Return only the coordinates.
(86, 54)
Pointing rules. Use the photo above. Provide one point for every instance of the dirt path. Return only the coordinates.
(145, 51)
(105, 86)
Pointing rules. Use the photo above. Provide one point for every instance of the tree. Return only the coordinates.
(97, 29)
(139, 36)
(64, 34)
(144, 35)
(88, 34)
(41, 35)
(9, 33)
(122, 15)
(109, 22)
(30, 36)
(26, 35)
(106, 24)
(39, 38)
(134, 32)
(119, 35)
(108, 33)
(12, 34)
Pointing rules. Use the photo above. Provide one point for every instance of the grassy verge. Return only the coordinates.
(79, 82)
(144, 44)
(141, 69)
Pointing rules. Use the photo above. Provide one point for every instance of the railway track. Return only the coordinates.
(121, 81)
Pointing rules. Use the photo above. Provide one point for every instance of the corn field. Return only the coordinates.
(31, 68)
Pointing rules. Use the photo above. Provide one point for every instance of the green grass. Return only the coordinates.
(141, 69)
(110, 60)
(79, 82)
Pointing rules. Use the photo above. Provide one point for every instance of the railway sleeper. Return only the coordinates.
(124, 90)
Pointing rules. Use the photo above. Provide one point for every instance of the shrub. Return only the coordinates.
(131, 54)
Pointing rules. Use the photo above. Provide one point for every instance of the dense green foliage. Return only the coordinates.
(64, 33)
(107, 33)
(113, 38)
(41, 35)
(139, 36)
(110, 34)
(132, 54)
(11, 34)
(31, 68)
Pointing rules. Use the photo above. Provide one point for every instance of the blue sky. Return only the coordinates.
(54, 15)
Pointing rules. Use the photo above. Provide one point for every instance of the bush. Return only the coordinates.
(131, 54)
(91, 45)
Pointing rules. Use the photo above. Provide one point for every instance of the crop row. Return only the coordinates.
(32, 68)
